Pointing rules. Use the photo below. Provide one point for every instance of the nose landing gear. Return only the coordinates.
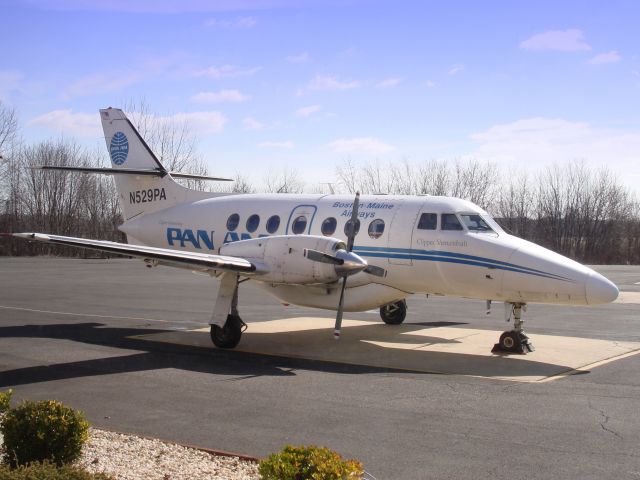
(514, 341)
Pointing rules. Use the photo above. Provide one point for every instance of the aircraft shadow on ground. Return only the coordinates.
(156, 355)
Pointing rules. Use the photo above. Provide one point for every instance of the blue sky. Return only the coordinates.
(305, 85)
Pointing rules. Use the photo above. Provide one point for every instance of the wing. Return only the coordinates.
(151, 255)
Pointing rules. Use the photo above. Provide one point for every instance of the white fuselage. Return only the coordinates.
(488, 265)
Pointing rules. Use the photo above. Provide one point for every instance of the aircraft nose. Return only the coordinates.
(600, 289)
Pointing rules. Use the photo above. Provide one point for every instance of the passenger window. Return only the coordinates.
(428, 221)
(252, 223)
(233, 221)
(299, 225)
(475, 223)
(273, 223)
(450, 222)
(376, 228)
(328, 227)
(348, 227)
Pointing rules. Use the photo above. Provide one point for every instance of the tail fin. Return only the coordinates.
(140, 194)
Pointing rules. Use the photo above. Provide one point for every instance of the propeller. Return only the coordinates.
(347, 262)
(351, 237)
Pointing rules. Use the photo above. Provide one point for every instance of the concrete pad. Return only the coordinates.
(628, 297)
(416, 347)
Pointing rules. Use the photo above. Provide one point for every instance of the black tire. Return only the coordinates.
(394, 313)
(229, 335)
(511, 342)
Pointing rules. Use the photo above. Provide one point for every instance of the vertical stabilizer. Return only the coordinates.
(139, 194)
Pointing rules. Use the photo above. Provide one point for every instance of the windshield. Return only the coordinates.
(475, 223)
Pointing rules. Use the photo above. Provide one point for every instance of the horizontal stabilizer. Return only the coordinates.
(153, 172)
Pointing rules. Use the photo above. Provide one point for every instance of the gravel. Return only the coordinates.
(129, 457)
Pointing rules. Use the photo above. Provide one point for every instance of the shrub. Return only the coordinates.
(309, 463)
(48, 471)
(5, 400)
(46, 430)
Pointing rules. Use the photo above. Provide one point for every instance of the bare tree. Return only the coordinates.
(171, 140)
(286, 180)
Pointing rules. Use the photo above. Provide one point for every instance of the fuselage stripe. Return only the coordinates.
(451, 257)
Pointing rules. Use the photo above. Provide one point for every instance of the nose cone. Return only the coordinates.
(600, 289)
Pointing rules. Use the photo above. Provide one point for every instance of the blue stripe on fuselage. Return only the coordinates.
(452, 257)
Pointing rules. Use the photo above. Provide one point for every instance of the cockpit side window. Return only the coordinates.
(475, 223)
(450, 222)
(428, 221)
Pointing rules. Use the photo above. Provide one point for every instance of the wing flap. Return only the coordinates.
(153, 255)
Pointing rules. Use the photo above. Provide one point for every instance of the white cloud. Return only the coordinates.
(10, 80)
(240, 22)
(102, 83)
(361, 145)
(389, 82)
(456, 69)
(305, 112)
(537, 142)
(88, 124)
(602, 58)
(68, 123)
(571, 40)
(251, 123)
(430, 84)
(328, 83)
(229, 96)
(203, 123)
(270, 144)
(298, 58)
(115, 80)
(225, 71)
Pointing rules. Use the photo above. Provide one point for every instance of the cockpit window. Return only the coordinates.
(428, 221)
(475, 223)
(450, 222)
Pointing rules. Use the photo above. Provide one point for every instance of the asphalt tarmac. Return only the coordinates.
(77, 331)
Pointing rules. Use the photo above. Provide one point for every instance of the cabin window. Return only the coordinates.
(450, 222)
(273, 223)
(233, 221)
(328, 227)
(252, 223)
(428, 221)
(475, 223)
(299, 225)
(348, 227)
(376, 228)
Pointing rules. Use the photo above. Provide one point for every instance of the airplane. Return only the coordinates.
(332, 252)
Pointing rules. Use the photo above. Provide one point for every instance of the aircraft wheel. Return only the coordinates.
(229, 335)
(510, 341)
(394, 313)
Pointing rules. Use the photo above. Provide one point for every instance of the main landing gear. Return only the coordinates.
(394, 313)
(230, 334)
(514, 341)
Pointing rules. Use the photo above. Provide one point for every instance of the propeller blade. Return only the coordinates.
(354, 218)
(377, 271)
(338, 327)
(322, 257)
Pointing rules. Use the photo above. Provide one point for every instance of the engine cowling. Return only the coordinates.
(282, 258)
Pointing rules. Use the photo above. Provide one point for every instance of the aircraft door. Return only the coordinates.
(400, 237)
(301, 219)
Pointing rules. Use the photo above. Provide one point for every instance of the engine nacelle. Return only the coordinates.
(281, 258)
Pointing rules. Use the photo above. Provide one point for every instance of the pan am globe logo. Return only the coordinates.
(119, 148)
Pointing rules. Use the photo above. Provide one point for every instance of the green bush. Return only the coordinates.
(5, 400)
(309, 463)
(46, 430)
(48, 471)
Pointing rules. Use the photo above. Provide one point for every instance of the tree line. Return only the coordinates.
(578, 211)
